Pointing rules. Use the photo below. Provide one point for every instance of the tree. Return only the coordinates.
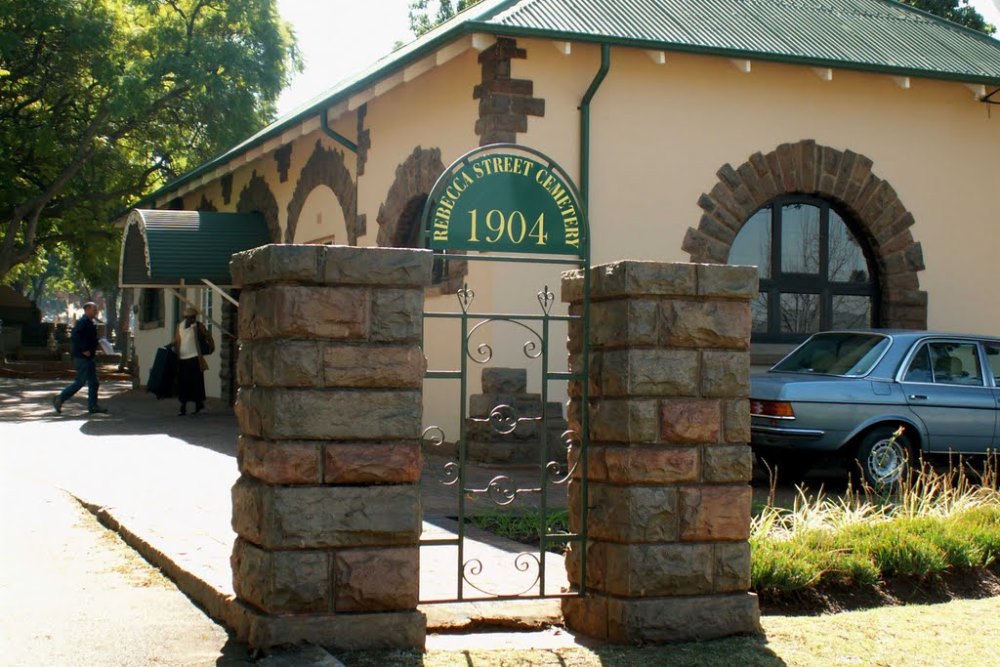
(957, 11)
(101, 101)
(420, 20)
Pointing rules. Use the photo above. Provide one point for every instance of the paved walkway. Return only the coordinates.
(163, 482)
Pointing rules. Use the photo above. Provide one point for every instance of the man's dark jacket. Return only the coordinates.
(84, 338)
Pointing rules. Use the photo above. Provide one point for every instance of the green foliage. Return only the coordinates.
(420, 13)
(102, 101)
(935, 523)
(957, 11)
(523, 527)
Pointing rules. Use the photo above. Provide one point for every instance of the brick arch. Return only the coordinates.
(256, 196)
(844, 178)
(325, 167)
(415, 178)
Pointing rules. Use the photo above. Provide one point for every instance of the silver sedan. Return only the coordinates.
(877, 399)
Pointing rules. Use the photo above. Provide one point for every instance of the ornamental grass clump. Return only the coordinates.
(931, 523)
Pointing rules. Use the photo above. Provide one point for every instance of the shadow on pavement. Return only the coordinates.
(130, 413)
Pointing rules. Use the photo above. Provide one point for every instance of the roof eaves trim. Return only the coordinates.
(559, 35)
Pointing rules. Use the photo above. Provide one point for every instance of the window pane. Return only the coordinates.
(847, 262)
(752, 246)
(758, 313)
(956, 363)
(799, 313)
(920, 367)
(799, 238)
(993, 357)
(851, 312)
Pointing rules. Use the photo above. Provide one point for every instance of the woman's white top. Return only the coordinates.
(189, 340)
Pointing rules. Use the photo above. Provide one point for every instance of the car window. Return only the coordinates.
(993, 358)
(946, 362)
(841, 353)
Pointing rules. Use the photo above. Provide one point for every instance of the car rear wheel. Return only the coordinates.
(883, 459)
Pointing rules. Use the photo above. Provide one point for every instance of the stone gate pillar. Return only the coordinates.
(669, 464)
(327, 506)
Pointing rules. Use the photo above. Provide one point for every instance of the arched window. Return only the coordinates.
(815, 273)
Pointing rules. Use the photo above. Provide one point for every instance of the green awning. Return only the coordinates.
(177, 248)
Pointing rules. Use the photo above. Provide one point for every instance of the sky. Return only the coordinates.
(338, 38)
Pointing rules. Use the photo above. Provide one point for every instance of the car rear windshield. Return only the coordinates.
(850, 354)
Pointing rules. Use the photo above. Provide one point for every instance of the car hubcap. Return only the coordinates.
(886, 461)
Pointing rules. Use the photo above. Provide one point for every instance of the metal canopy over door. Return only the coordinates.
(511, 205)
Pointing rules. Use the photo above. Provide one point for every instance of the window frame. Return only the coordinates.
(780, 282)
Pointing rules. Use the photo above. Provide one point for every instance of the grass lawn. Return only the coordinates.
(958, 633)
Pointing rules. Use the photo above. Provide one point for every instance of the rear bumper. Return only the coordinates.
(788, 437)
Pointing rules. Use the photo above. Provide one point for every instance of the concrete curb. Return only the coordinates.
(221, 607)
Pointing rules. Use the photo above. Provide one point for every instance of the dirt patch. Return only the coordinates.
(965, 585)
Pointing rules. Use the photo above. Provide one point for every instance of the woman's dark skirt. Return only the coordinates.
(190, 381)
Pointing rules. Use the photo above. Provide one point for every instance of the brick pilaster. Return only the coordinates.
(667, 557)
(327, 506)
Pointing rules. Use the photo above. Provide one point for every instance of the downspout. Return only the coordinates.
(336, 136)
(585, 125)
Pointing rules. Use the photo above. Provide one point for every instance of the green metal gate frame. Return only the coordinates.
(503, 418)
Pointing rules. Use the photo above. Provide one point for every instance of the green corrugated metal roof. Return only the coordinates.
(856, 34)
(172, 248)
(869, 35)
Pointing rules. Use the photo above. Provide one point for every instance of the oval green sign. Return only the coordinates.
(505, 202)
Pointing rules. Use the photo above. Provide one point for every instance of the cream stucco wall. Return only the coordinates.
(659, 134)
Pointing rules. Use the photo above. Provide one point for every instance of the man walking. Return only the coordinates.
(84, 338)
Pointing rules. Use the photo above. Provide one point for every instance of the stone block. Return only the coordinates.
(624, 420)
(587, 615)
(641, 372)
(736, 421)
(498, 380)
(301, 517)
(342, 632)
(632, 278)
(276, 263)
(691, 421)
(397, 315)
(677, 619)
(316, 264)
(280, 582)
(713, 324)
(280, 462)
(388, 267)
(623, 323)
(244, 365)
(732, 567)
(571, 290)
(727, 281)
(652, 465)
(727, 464)
(288, 363)
(336, 414)
(372, 463)
(373, 366)
(651, 570)
(630, 514)
(310, 312)
(715, 513)
(725, 374)
(376, 579)
(247, 414)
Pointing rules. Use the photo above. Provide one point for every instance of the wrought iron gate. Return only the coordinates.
(506, 417)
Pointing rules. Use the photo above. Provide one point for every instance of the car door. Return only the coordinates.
(992, 355)
(945, 387)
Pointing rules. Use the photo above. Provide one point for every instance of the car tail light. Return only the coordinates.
(771, 409)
